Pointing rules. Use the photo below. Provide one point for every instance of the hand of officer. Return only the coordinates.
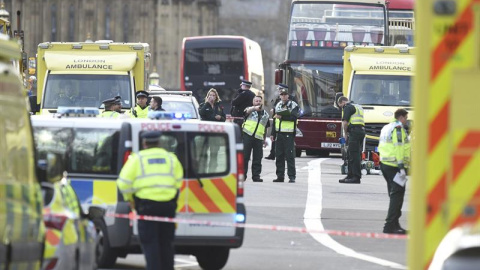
(265, 143)
(218, 117)
(403, 173)
(272, 138)
(278, 116)
(258, 108)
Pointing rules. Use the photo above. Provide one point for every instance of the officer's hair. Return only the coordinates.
(259, 97)
(342, 99)
(217, 99)
(151, 144)
(400, 112)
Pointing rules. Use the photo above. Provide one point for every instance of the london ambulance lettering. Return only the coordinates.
(390, 68)
(90, 64)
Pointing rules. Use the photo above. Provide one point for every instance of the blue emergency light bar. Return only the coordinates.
(169, 115)
(78, 111)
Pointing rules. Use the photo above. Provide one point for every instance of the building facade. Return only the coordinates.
(161, 23)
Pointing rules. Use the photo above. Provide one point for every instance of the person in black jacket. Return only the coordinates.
(271, 156)
(156, 104)
(211, 110)
(242, 100)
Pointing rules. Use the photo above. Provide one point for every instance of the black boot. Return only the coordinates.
(393, 229)
(353, 180)
(257, 179)
(271, 157)
(279, 179)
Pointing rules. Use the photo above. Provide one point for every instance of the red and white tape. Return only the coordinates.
(299, 120)
(133, 216)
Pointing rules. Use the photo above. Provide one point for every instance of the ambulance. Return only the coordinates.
(83, 74)
(212, 189)
(22, 230)
(379, 78)
(444, 220)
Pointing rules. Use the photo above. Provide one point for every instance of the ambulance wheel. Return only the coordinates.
(213, 258)
(106, 256)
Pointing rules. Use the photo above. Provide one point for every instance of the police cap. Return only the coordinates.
(141, 94)
(118, 100)
(247, 83)
(151, 136)
(110, 101)
(282, 86)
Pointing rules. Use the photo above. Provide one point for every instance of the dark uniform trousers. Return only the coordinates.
(251, 143)
(156, 238)
(356, 135)
(285, 149)
(396, 194)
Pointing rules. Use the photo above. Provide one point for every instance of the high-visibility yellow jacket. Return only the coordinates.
(255, 125)
(287, 123)
(138, 112)
(356, 118)
(394, 146)
(109, 114)
(152, 174)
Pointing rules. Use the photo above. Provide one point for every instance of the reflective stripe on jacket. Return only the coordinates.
(357, 117)
(281, 125)
(394, 146)
(254, 125)
(152, 174)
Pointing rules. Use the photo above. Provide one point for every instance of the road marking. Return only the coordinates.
(313, 219)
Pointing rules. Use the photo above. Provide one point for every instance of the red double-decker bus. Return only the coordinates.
(319, 30)
(220, 62)
(401, 21)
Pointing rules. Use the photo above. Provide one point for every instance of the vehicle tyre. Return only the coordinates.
(298, 152)
(213, 258)
(105, 255)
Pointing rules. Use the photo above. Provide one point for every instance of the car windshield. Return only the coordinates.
(179, 106)
(85, 90)
(383, 90)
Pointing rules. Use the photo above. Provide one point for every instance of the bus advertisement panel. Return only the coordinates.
(220, 62)
(313, 70)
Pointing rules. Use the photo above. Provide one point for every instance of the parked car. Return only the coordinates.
(179, 101)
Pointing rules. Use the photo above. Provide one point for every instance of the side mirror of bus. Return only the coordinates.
(278, 76)
(337, 96)
(34, 107)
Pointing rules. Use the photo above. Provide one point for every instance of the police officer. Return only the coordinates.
(283, 133)
(256, 122)
(241, 101)
(112, 107)
(394, 148)
(353, 125)
(150, 182)
(141, 109)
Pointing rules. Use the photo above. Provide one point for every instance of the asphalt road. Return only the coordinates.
(316, 201)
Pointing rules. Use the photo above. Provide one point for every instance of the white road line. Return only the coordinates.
(313, 219)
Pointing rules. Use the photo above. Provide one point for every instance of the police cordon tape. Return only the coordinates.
(133, 216)
(228, 117)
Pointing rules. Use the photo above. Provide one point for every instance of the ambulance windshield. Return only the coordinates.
(383, 90)
(86, 90)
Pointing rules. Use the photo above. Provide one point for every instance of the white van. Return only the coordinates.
(212, 190)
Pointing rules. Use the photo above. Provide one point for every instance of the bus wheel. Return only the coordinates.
(298, 152)
(212, 258)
